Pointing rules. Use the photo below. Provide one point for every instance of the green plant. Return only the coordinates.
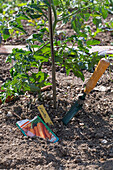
(23, 77)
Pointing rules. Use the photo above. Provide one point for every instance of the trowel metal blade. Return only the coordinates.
(74, 109)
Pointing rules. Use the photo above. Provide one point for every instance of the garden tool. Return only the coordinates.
(99, 70)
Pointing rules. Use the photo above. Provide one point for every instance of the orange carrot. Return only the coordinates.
(41, 130)
(36, 131)
(32, 130)
(28, 125)
(47, 133)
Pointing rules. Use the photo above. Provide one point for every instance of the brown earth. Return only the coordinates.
(85, 143)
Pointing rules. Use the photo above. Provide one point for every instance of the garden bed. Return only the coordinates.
(85, 143)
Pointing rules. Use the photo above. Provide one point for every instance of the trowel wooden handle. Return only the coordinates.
(99, 70)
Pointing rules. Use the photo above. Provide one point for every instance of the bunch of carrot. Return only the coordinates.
(39, 130)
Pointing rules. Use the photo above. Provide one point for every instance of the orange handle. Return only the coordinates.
(99, 70)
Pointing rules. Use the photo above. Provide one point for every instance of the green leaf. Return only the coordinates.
(97, 31)
(78, 74)
(77, 23)
(41, 76)
(46, 2)
(92, 42)
(34, 16)
(56, 2)
(1, 10)
(67, 71)
(34, 88)
(36, 7)
(22, 16)
(17, 26)
(42, 58)
(6, 33)
(104, 12)
(97, 21)
(22, 4)
(86, 16)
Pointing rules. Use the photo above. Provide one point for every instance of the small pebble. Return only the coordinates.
(68, 87)
(104, 141)
(9, 114)
(81, 124)
(25, 137)
(77, 89)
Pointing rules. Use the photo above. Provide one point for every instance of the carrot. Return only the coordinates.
(32, 130)
(36, 131)
(41, 130)
(28, 125)
(47, 133)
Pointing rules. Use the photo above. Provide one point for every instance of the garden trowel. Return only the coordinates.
(99, 70)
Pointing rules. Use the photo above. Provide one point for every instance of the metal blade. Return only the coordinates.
(74, 109)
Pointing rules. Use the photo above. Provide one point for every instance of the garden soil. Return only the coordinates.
(86, 143)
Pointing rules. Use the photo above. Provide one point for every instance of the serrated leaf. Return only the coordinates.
(92, 42)
(104, 12)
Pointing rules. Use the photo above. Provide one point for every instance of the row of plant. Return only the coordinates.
(35, 14)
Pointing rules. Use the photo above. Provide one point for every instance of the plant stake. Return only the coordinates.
(52, 54)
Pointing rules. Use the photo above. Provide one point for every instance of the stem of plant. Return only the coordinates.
(55, 16)
(74, 12)
(52, 54)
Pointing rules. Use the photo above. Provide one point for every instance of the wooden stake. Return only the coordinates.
(52, 54)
